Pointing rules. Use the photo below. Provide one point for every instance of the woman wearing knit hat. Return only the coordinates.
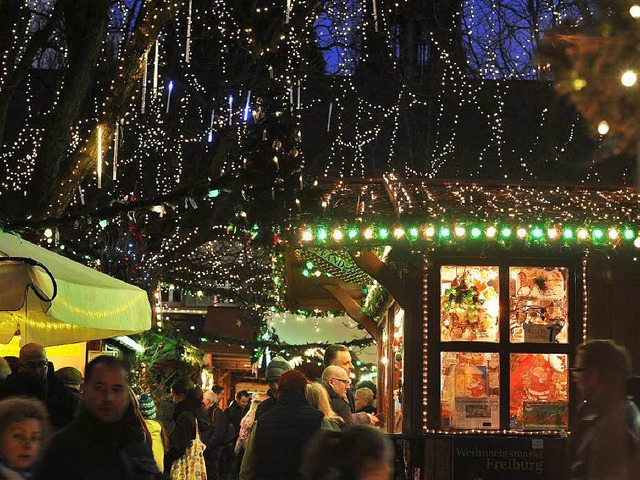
(159, 438)
(274, 371)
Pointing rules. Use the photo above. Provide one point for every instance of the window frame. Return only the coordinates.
(504, 347)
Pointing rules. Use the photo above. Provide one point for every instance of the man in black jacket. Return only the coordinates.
(339, 355)
(234, 412)
(238, 408)
(105, 441)
(35, 377)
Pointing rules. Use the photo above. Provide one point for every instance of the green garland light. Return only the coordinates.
(501, 233)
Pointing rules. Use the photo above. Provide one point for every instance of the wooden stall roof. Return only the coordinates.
(362, 215)
(393, 196)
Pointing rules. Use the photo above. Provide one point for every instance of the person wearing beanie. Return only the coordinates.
(159, 438)
(274, 371)
(71, 379)
(276, 444)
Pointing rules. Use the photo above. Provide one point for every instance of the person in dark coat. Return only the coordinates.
(70, 378)
(188, 408)
(234, 412)
(606, 442)
(105, 441)
(274, 371)
(35, 377)
(220, 437)
(340, 356)
(238, 408)
(276, 444)
(337, 383)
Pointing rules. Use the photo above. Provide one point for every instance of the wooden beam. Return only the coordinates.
(368, 261)
(353, 309)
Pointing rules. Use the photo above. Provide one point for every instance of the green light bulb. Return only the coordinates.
(322, 234)
(352, 233)
(505, 232)
(309, 265)
(475, 232)
(567, 234)
(383, 233)
(213, 193)
(445, 232)
(413, 232)
(305, 272)
(537, 232)
(629, 234)
(598, 233)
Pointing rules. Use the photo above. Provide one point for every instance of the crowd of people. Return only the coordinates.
(59, 425)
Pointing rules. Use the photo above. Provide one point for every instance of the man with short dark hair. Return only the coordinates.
(606, 443)
(234, 412)
(238, 408)
(105, 441)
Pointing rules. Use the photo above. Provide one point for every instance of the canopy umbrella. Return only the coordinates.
(51, 300)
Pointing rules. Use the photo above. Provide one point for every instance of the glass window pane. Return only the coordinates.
(539, 391)
(470, 395)
(383, 402)
(538, 300)
(470, 303)
(398, 367)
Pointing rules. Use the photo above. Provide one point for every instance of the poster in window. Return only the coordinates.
(470, 390)
(536, 379)
(471, 381)
(538, 298)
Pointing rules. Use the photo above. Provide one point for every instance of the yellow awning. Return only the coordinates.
(88, 305)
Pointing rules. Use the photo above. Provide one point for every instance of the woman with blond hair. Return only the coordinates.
(318, 398)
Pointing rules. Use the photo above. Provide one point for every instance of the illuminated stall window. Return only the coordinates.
(502, 323)
(391, 371)
(470, 393)
(538, 298)
(384, 403)
(470, 303)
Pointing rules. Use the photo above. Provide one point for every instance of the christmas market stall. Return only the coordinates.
(51, 300)
(477, 295)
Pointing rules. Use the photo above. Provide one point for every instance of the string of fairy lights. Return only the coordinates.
(345, 24)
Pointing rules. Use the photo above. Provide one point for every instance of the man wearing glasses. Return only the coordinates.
(35, 378)
(340, 356)
(337, 382)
